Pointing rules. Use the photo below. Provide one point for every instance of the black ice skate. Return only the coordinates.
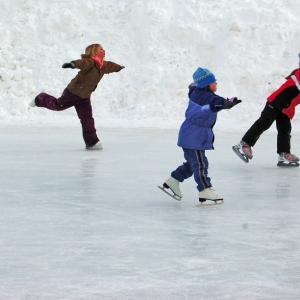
(171, 188)
(243, 151)
(287, 160)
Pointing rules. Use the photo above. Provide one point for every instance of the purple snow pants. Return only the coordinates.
(83, 108)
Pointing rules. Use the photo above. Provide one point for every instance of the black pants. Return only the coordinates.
(268, 116)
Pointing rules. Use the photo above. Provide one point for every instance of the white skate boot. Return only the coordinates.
(287, 160)
(243, 151)
(210, 194)
(97, 146)
(172, 184)
(32, 103)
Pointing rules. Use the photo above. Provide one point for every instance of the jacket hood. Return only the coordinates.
(194, 86)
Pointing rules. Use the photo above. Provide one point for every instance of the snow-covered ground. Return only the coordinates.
(93, 225)
(250, 45)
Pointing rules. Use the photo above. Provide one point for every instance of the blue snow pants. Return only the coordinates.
(196, 164)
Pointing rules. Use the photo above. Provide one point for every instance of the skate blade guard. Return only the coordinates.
(243, 157)
(170, 193)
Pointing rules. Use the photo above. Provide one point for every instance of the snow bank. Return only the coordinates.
(250, 45)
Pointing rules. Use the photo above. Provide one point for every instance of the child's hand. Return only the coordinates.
(120, 68)
(229, 103)
(68, 65)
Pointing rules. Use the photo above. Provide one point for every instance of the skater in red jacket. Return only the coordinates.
(280, 107)
(92, 67)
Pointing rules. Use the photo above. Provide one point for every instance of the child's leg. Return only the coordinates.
(199, 167)
(85, 114)
(265, 121)
(182, 172)
(47, 101)
(65, 101)
(284, 129)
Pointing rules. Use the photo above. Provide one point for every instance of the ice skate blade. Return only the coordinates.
(175, 197)
(100, 148)
(244, 158)
(290, 165)
(209, 202)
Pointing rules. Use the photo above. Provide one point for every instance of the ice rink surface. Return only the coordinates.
(94, 225)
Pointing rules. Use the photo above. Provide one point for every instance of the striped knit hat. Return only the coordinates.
(203, 77)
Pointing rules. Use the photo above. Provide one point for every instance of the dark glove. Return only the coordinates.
(68, 65)
(229, 103)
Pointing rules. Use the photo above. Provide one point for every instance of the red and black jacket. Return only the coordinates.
(287, 97)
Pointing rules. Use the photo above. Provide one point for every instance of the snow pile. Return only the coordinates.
(249, 45)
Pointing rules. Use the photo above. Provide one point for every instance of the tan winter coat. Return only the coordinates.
(89, 76)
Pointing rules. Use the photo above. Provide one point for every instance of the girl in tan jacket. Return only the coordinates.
(92, 68)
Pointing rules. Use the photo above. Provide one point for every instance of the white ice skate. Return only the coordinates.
(32, 103)
(243, 151)
(287, 160)
(210, 195)
(173, 185)
(97, 146)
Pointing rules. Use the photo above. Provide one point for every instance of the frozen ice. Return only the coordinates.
(78, 225)
(93, 225)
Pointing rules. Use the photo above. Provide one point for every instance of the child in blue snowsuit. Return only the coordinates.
(196, 135)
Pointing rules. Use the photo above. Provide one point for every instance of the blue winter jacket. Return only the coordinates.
(201, 115)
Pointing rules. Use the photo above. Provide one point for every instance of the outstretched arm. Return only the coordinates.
(218, 103)
(212, 100)
(82, 64)
(111, 67)
(215, 102)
